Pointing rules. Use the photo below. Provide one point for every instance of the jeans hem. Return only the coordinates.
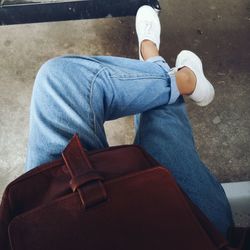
(174, 91)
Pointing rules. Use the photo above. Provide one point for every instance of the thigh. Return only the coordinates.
(165, 132)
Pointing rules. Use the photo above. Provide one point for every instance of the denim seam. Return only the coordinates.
(91, 97)
(134, 77)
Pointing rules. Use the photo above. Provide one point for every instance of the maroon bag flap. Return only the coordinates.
(52, 181)
(145, 210)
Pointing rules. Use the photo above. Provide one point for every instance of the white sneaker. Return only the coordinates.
(204, 90)
(148, 26)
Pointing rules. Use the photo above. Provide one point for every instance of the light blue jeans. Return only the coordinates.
(77, 94)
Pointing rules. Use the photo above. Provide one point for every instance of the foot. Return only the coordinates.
(203, 93)
(148, 50)
(148, 27)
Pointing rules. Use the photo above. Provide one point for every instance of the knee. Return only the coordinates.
(46, 78)
(50, 68)
(47, 85)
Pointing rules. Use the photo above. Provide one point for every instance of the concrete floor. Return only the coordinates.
(219, 32)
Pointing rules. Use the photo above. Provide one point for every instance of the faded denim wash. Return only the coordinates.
(77, 94)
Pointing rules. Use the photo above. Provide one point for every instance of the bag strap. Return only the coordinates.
(84, 178)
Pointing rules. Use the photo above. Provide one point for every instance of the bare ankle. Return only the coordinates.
(148, 49)
(186, 81)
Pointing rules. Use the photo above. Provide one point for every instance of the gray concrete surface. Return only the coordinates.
(218, 31)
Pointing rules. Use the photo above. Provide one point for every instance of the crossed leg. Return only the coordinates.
(78, 94)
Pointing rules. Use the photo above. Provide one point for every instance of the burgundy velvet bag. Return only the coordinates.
(117, 199)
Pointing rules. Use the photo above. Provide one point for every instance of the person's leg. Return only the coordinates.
(78, 94)
(185, 77)
(166, 134)
(165, 131)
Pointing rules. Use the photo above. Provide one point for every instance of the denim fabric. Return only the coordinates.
(76, 94)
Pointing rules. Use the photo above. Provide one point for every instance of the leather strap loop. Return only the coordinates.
(92, 194)
(81, 180)
(84, 178)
